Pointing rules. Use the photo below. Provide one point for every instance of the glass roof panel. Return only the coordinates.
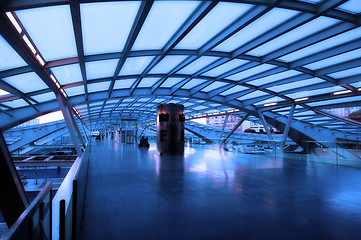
(51, 29)
(2, 92)
(346, 73)
(170, 82)
(335, 101)
(26, 82)
(16, 103)
(269, 20)
(106, 25)
(254, 94)
(335, 60)
(78, 90)
(167, 64)
(225, 67)
(147, 82)
(233, 90)
(123, 83)
(250, 72)
(290, 37)
(315, 92)
(44, 97)
(197, 65)
(9, 58)
(352, 6)
(214, 86)
(192, 83)
(68, 74)
(323, 45)
(135, 65)
(297, 84)
(220, 17)
(269, 100)
(162, 22)
(96, 87)
(356, 85)
(274, 77)
(101, 69)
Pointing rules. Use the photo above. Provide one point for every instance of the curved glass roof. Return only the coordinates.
(119, 59)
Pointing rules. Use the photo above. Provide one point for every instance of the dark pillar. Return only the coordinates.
(170, 128)
(13, 200)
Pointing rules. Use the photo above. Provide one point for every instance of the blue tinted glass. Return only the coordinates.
(163, 21)
(192, 83)
(352, 6)
(215, 21)
(96, 87)
(270, 100)
(123, 83)
(346, 73)
(68, 74)
(135, 65)
(101, 69)
(51, 30)
(297, 84)
(335, 101)
(27, 82)
(197, 65)
(16, 103)
(170, 82)
(254, 94)
(356, 85)
(197, 108)
(261, 25)
(44, 97)
(9, 58)
(167, 64)
(250, 72)
(225, 67)
(214, 86)
(106, 25)
(301, 32)
(78, 90)
(274, 77)
(233, 90)
(334, 60)
(315, 92)
(147, 82)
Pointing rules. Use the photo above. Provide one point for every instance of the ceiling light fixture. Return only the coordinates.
(301, 99)
(14, 21)
(30, 45)
(40, 59)
(342, 92)
(270, 104)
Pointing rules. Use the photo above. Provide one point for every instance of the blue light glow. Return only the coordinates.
(101, 69)
(9, 57)
(26, 82)
(68, 74)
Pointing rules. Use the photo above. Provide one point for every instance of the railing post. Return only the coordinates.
(74, 212)
(62, 220)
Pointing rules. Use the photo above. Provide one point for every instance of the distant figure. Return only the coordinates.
(58, 169)
(143, 142)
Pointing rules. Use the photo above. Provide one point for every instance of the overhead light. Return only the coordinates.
(63, 92)
(301, 99)
(53, 78)
(342, 92)
(359, 89)
(270, 104)
(40, 59)
(57, 85)
(30, 45)
(14, 21)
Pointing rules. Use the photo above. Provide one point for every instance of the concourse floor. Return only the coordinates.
(135, 193)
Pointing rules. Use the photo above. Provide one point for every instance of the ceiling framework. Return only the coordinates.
(213, 56)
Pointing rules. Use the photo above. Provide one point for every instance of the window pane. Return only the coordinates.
(346, 73)
(78, 90)
(214, 86)
(297, 84)
(135, 65)
(233, 90)
(274, 77)
(225, 67)
(148, 82)
(44, 97)
(193, 83)
(26, 82)
(123, 83)
(250, 72)
(167, 64)
(335, 60)
(96, 87)
(335, 101)
(68, 74)
(16, 103)
(101, 69)
(352, 6)
(315, 92)
(197, 65)
(254, 94)
(170, 82)
(270, 100)
(9, 58)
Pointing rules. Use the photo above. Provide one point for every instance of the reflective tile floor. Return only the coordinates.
(134, 193)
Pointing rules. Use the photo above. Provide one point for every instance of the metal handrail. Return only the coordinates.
(29, 212)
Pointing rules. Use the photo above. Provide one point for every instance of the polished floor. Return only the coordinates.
(134, 193)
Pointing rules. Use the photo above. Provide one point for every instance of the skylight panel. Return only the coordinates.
(214, 86)
(352, 6)
(101, 69)
(269, 100)
(170, 82)
(357, 85)
(9, 58)
(334, 60)
(16, 103)
(323, 45)
(250, 72)
(225, 67)
(123, 83)
(147, 82)
(168, 63)
(198, 108)
(315, 92)
(303, 31)
(193, 83)
(44, 97)
(162, 22)
(346, 73)
(106, 25)
(135, 65)
(73, 91)
(214, 22)
(254, 94)
(51, 30)
(335, 101)
(97, 87)
(26, 82)
(197, 65)
(68, 74)
(297, 84)
(274, 77)
(266, 22)
(232, 90)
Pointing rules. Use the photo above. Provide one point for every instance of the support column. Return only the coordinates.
(235, 128)
(13, 200)
(69, 122)
(75, 124)
(224, 125)
(265, 125)
(287, 127)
